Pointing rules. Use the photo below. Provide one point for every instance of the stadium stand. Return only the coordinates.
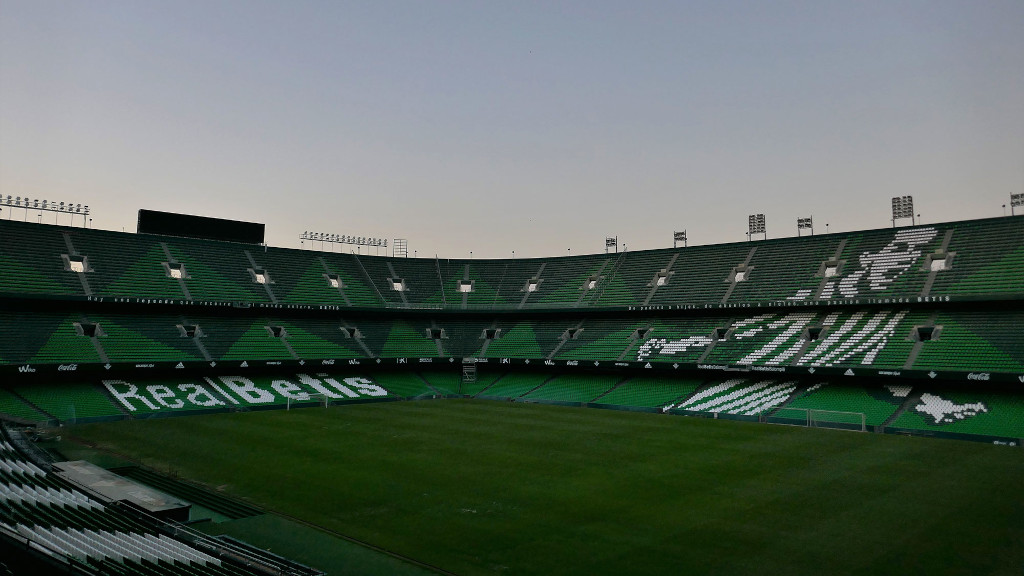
(911, 330)
(448, 383)
(738, 396)
(138, 338)
(70, 401)
(32, 261)
(62, 526)
(650, 393)
(985, 258)
(572, 388)
(420, 339)
(966, 412)
(880, 338)
(630, 281)
(877, 403)
(223, 271)
(975, 340)
(483, 382)
(978, 258)
(138, 269)
(405, 384)
(97, 325)
(11, 405)
(512, 386)
(599, 339)
(314, 339)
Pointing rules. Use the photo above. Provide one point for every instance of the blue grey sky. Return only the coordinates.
(538, 127)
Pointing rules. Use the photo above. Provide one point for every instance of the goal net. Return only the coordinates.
(819, 418)
(312, 400)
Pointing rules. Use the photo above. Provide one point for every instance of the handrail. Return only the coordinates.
(440, 281)
(612, 274)
(370, 280)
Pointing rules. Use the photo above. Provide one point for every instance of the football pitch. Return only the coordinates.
(476, 487)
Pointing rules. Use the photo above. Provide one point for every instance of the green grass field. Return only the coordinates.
(477, 487)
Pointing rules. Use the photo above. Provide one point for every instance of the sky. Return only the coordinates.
(536, 127)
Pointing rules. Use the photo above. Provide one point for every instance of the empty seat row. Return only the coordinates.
(978, 257)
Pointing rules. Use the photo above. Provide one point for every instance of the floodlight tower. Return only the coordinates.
(678, 237)
(610, 242)
(755, 225)
(1015, 200)
(802, 223)
(57, 208)
(400, 248)
(902, 208)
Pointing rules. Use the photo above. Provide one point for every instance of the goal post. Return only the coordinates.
(818, 418)
(837, 419)
(313, 399)
(794, 416)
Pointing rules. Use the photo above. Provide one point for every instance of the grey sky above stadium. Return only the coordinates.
(538, 127)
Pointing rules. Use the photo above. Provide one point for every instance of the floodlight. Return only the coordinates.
(27, 204)
(678, 237)
(756, 225)
(902, 207)
(802, 223)
(343, 239)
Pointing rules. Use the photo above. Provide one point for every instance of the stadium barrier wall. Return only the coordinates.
(997, 440)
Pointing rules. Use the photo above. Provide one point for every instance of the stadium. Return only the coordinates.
(368, 288)
(172, 362)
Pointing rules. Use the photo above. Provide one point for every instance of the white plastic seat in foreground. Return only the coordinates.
(52, 541)
(109, 541)
(80, 498)
(93, 546)
(20, 466)
(139, 542)
(185, 551)
(47, 495)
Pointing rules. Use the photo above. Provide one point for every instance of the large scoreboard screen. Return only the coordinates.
(184, 225)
